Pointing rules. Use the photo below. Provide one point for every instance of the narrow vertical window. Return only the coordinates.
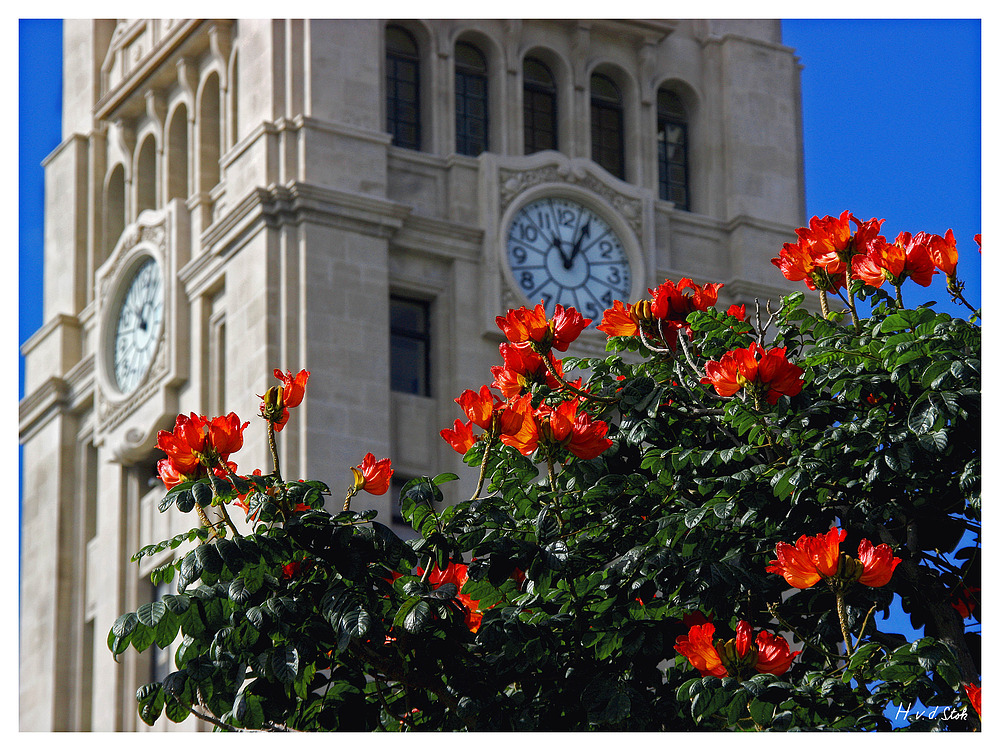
(471, 110)
(409, 349)
(540, 123)
(672, 149)
(402, 87)
(607, 125)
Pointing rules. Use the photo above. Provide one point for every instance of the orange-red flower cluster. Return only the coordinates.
(768, 374)
(276, 402)
(564, 426)
(827, 247)
(198, 445)
(770, 653)
(372, 476)
(457, 574)
(531, 328)
(819, 557)
(667, 310)
(486, 411)
(522, 369)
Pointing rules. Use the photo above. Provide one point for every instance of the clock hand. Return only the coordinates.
(557, 244)
(584, 233)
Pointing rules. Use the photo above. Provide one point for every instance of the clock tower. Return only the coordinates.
(359, 198)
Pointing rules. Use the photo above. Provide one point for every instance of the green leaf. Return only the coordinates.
(150, 613)
(413, 615)
(761, 712)
(356, 622)
(444, 477)
(202, 494)
(285, 663)
(124, 625)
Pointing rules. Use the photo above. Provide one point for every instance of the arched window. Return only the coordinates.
(471, 111)
(607, 143)
(209, 135)
(540, 123)
(177, 155)
(402, 87)
(114, 211)
(672, 149)
(145, 174)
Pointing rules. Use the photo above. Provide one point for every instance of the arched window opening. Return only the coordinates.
(540, 123)
(672, 149)
(145, 173)
(209, 147)
(114, 211)
(177, 155)
(471, 108)
(402, 87)
(607, 143)
(234, 100)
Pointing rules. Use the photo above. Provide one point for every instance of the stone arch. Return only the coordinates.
(145, 172)
(208, 129)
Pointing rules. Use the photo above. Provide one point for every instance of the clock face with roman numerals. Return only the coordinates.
(563, 252)
(138, 322)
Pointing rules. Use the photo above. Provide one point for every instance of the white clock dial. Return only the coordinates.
(564, 252)
(137, 326)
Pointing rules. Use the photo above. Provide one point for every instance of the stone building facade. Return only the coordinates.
(232, 196)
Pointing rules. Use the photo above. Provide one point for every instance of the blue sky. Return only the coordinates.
(892, 129)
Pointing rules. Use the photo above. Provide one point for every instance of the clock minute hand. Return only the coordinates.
(578, 243)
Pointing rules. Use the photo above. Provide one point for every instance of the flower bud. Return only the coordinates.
(273, 404)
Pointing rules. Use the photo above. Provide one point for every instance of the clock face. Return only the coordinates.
(563, 252)
(137, 325)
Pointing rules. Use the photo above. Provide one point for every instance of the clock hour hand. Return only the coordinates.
(557, 244)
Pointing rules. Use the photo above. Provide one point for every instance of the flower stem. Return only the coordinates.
(824, 305)
(273, 444)
(482, 468)
(842, 615)
(850, 293)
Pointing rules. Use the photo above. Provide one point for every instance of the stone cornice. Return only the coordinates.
(38, 407)
(300, 202)
(59, 319)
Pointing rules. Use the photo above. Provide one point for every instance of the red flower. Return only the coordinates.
(882, 263)
(731, 658)
(563, 427)
(531, 328)
(198, 445)
(975, 694)
(457, 574)
(919, 266)
(671, 304)
(819, 557)
(737, 311)
(766, 373)
(797, 263)
(461, 438)
(619, 320)
(522, 368)
(944, 253)
(275, 404)
(372, 476)
(965, 601)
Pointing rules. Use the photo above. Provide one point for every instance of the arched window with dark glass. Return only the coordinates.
(471, 110)
(540, 123)
(672, 149)
(402, 87)
(607, 143)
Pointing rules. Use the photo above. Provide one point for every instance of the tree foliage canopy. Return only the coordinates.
(616, 519)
